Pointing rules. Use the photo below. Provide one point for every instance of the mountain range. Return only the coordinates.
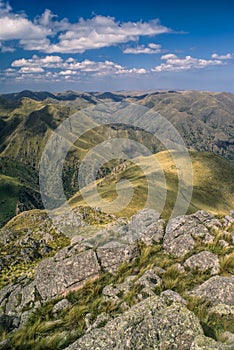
(27, 120)
(140, 276)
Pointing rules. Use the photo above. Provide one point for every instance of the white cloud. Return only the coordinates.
(35, 61)
(99, 32)
(168, 56)
(68, 72)
(176, 64)
(16, 27)
(31, 70)
(228, 56)
(142, 49)
(85, 34)
(54, 67)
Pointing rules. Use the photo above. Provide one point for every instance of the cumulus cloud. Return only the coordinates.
(27, 70)
(227, 56)
(142, 49)
(99, 32)
(17, 27)
(175, 64)
(46, 33)
(53, 67)
(35, 61)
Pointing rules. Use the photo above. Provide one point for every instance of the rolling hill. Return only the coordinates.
(27, 120)
(213, 188)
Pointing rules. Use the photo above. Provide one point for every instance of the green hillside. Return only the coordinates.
(212, 184)
(27, 120)
(9, 189)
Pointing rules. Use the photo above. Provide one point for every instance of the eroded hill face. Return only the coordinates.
(27, 120)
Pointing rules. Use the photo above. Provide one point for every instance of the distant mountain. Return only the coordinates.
(90, 279)
(37, 96)
(27, 119)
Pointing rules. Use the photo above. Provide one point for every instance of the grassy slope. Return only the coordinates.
(9, 189)
(213, 184)
(203, 119)
(18, 184)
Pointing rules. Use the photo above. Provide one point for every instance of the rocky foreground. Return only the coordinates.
(139, 285)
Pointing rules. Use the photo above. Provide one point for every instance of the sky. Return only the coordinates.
(107, 45)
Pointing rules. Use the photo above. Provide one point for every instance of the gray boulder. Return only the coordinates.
(113, 254)
(149, 279)
(217, 290)
(146, 226)
(61, 305)
(204, 261)
(171, 296)
(181, 233)
(56, 277)
(151, 324)
(204, 343)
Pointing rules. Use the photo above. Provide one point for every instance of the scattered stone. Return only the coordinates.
(204, 343)
(100, 321)
(28, 295)
(55, 277)
(222, 310)
(113, 254)
(48, 237)
(204, 261)
(127, 285)
(146, 226)
(171, 296)
(155, 322)
(61, 305)
(228, 338)
(13, 300)
(179, 267)
(223, 243)
(229, 220)
(203, 216)
(149, 279)
(111, 292)
(217, 290)
(181, 233)
(179, 246)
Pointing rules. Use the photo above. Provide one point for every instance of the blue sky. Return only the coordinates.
(104, 45)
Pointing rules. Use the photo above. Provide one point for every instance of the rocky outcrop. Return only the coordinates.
(157, 322)
(182, 232)
(204, 261)
(217, 290)
(146, 227)
(112, 254)
(151, 324)
(205, 343)
(54, 278)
